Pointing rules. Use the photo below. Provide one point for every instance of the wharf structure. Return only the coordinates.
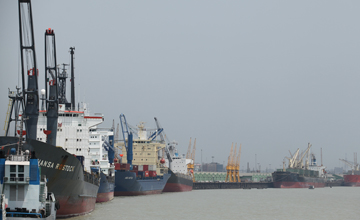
(221, 176)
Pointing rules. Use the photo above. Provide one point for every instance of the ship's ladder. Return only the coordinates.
(7, 118)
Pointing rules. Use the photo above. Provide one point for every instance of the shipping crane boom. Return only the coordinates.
(51, 87)
(29, 67)
(128, 144)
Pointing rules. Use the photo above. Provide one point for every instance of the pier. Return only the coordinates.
(226, 185)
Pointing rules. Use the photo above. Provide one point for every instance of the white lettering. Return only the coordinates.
(49, 164)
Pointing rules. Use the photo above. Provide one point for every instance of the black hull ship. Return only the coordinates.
(75, 189)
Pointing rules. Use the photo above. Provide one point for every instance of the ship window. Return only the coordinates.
(66, 139)
(149, 153)
(80, 130)
(135, 153)
(12, 168)
(21, 168)
(21, 177)
(12, 176)
(65, 148)
(79, 124)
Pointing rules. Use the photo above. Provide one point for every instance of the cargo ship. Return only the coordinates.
(73, 183)
(134, 182)
(180, 180)
(102, 161)
(58, 134)
(299, 175)
(139, 171)
(352, 178)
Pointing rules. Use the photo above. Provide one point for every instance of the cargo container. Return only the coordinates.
(152, 168)
(146, 173)
(145, 167)
(152, 173)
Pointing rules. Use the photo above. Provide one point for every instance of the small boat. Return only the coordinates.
(24, 193)
(311, 187)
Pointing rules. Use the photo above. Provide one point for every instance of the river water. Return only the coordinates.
(278, 204)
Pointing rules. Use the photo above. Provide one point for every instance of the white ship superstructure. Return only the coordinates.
(73, 131)
(98, 154)
(178, 162)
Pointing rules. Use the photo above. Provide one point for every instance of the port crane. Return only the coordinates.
(237, 166)
(191, 156)
(51, 87)
(229, 166)
(233, 166)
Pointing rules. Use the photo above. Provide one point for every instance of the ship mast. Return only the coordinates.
(72, 79)
(28, 65)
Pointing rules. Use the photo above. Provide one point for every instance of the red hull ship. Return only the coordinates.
(178, 183)
(352, 180)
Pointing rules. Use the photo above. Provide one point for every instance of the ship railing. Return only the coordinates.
(18, 157)
(23, 214)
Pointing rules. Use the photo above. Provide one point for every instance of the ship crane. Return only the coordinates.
(51, 87)
(162, 140)
(28, 68)
(128, 140)
(292, 160)
(299, 161)
(109, 147)
(353, 165)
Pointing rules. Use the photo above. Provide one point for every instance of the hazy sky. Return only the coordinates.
(272, 75)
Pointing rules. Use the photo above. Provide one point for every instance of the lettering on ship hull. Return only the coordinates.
(58, 166)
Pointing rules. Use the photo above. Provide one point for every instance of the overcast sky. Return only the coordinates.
(272, 75)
